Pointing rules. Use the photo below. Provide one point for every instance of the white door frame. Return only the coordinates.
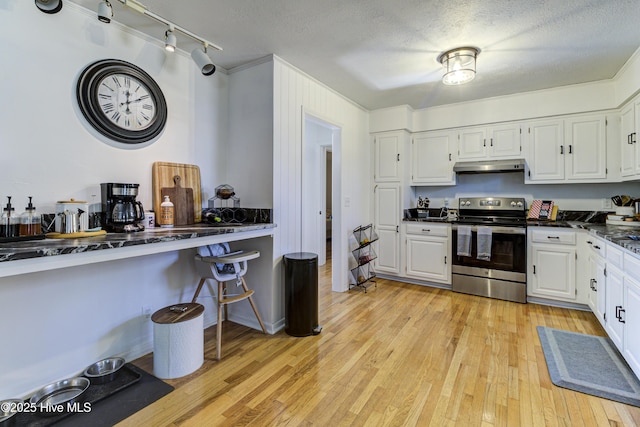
(339, 282)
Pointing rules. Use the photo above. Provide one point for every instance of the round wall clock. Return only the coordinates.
(121, 101)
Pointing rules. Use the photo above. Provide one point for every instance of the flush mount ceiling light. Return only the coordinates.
(170, 40)
(105, 12)
(459, 65)
(49, 6)
(203, 61)
(199, 55)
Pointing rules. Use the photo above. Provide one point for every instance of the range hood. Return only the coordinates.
(489, 166)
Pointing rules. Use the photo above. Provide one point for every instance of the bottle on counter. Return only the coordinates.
(30, 221)
(9, 223)
(166, 213)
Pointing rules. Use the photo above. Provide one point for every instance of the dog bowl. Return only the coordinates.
(65, 392)
(9, 408)
(104, 371)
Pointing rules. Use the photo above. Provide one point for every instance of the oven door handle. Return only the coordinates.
(496, 229)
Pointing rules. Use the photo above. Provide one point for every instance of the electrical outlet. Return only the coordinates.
(146, 311)
(606, 203)
(446, 202)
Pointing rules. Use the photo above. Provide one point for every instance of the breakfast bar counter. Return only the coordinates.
(40, 255)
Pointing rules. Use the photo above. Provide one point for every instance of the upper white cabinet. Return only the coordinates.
(566, 150)
(432, 158)
(630, 161)
(490, 142)
(389, 153)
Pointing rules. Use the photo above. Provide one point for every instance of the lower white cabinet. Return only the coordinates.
(614, 303)
(552, 264)
(428, 252)
(631, 317)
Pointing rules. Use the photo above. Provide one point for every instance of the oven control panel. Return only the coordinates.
(492, 203)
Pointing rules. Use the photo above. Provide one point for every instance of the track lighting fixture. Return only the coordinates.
(105, 12)
(203, 61)
(170, 40)
(49, 6)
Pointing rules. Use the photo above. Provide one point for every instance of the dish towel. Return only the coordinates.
(484, 243)
(464, 240)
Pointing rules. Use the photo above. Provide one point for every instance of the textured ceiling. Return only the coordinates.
(382, 53)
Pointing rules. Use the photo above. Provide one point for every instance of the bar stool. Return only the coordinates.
(218, 263)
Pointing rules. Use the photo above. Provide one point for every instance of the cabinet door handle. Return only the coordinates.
(491, 142)
(445, 260)
(590, 242)
(534, 269)
(426, 230)
(569, 148)
(619, 311)
(484, 142)
(449, 156)
(398, 157)
(553, 237)
(562, 149)
(629, 140)
(633, 138)
(596, 246)
(397, 228)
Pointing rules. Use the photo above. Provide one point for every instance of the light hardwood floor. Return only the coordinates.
(399, 355)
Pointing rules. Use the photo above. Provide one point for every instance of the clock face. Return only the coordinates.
(126, 101)
(121, 101)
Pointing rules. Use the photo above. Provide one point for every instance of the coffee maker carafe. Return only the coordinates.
(121, 212)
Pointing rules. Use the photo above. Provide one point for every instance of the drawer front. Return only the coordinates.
(428, 229)
(597, 246)
(615, 256)
(632, 267)
(554, 237)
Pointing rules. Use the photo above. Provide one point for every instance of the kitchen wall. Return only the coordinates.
(590, 197)
(57, 322)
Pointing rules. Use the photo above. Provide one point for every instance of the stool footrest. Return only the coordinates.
(236, 298)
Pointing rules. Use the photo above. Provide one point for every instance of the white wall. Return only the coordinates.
(295, 93)
(65, 319)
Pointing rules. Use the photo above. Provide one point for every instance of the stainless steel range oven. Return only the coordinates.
(490, 256)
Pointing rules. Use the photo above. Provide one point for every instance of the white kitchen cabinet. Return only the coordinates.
(387, 227)
(614, 303)
(552, 264)
(432, 158)
(586, 151)
(490, 142)
(566, 150)
(389, 153)
(630, 121)
(631, 317)
(428, 252)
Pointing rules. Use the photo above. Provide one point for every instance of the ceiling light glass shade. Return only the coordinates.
(459, 65)
(105, 12)
(170, 41)
(203, 61)
(49, 6)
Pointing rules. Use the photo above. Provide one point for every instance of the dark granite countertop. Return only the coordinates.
(52, 247)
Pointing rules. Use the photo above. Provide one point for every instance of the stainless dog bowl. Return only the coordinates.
(8, 408)
(63, 392)
(105, 370)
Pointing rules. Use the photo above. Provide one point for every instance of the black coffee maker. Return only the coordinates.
(121, 212)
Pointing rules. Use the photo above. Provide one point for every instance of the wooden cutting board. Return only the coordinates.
(163, 174)
(182, 199)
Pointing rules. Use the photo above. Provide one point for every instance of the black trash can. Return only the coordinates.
(301, 294)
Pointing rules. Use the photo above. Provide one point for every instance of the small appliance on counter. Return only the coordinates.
(121, 212)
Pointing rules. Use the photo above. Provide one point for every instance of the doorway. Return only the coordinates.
(320, 212)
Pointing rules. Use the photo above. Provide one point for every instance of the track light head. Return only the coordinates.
(49, 6)
(170, 41)
(203, 61)
(105, 12)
